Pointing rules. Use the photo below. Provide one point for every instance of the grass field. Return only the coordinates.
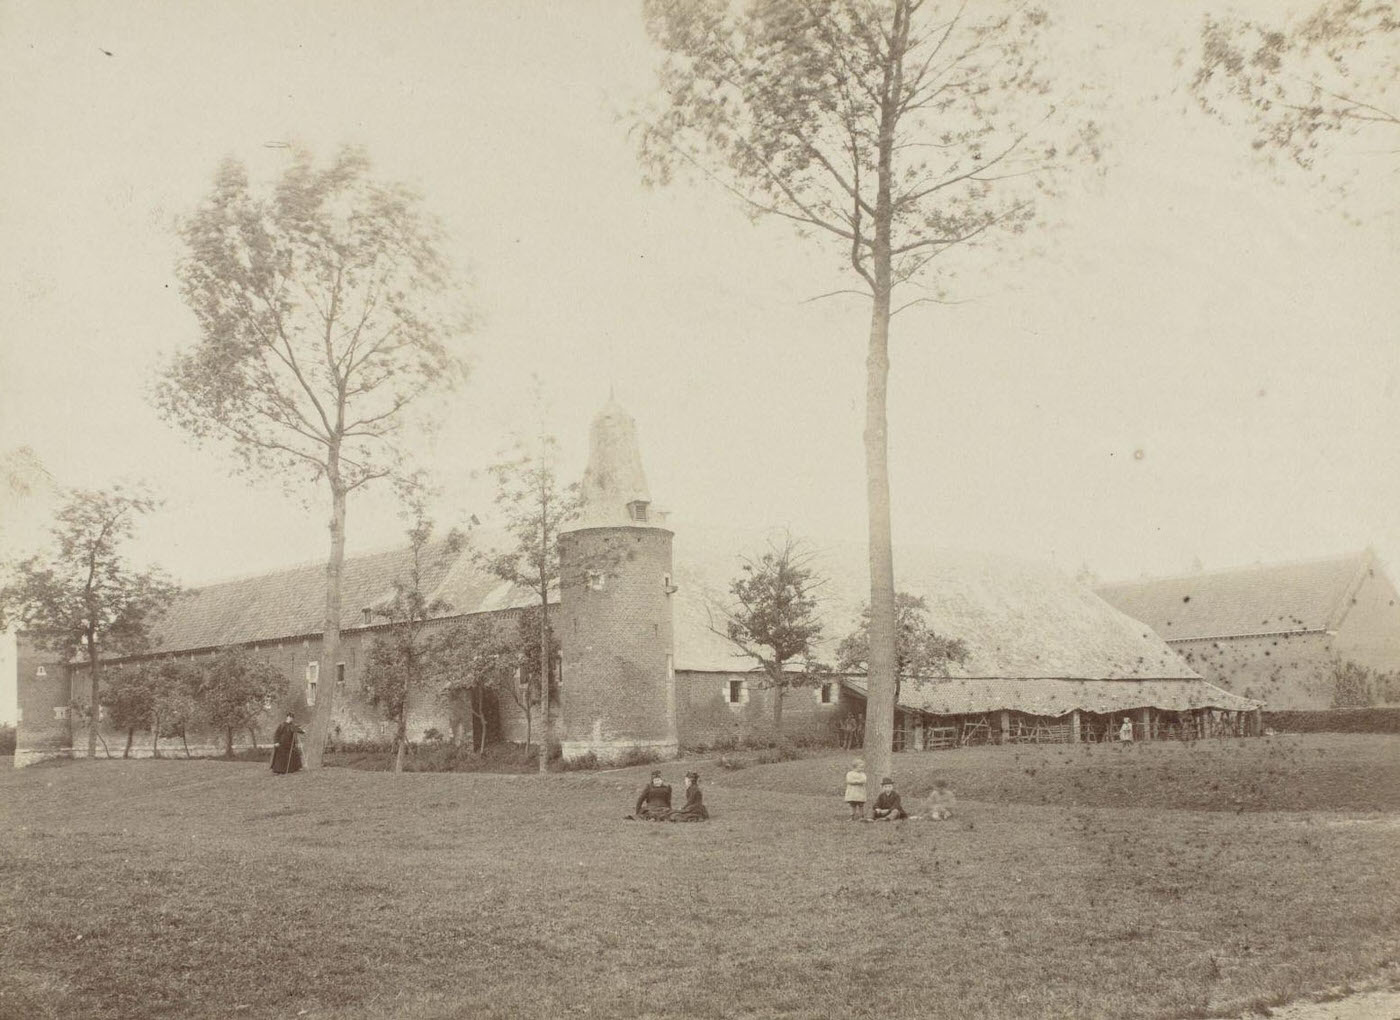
(1149, 881)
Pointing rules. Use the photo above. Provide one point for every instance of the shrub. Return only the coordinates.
(582, 763)
(7, 739)
(1346, 720)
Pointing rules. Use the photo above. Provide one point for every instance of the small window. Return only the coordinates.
(368, 614)
(339, 677)
(596, 580)
(60, 712)
(313, 675)
(637, 510)
(734, 692)
(41, 671)
(826, 694)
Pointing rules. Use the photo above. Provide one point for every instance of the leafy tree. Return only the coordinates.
(1352, 685)
(535, 507)
(83, 598)
(898, 130)
(920, 654)
(1306, 86)
(129, 697)
(177, 707)
(773, 618)
(233, 689)
(325, 315)
(480, 658)
(400, 658)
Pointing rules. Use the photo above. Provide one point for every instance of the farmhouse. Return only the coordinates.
(1278, 633)
(642, 664)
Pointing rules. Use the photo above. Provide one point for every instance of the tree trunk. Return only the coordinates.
(155, 737)
(93, 706)
(228, 742)
(880, 678)
(253, 735)
(778, 693)
(330, 641)
(185, 740)
(130, 736)
(400, 738)
(544, 662)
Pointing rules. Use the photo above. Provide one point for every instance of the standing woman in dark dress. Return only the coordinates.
(286, 753)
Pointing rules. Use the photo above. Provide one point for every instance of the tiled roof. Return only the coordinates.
(291, 603)
(1055, 698)
(1281, 599)
(1018, 619)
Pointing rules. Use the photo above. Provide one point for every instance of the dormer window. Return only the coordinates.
(368, 615)
(637, 510)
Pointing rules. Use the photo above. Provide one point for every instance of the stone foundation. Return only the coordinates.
(611, 752)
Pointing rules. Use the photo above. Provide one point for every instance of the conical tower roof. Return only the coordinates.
(614, 485)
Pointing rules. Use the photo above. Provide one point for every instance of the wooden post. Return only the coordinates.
(1145, 718)
(1258, 722)
(1005, 726)
(1074, 727)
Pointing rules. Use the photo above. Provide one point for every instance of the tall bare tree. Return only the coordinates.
(326, 314)
(83, 598)
(899, 130)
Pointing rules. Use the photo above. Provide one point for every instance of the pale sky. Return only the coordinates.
(1199, 363)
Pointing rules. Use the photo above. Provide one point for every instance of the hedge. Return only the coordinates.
(1343, 720)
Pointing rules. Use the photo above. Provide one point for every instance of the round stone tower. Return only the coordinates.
(618, 687)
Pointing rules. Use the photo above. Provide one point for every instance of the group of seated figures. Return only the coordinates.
(654, 802)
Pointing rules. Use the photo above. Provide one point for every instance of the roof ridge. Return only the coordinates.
(291, 568)
(1359, 557)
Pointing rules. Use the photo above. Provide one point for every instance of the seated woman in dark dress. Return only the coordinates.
(694, 810)
(654, 802)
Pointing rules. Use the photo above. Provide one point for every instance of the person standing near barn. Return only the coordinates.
(1125, 732)
(286, 753)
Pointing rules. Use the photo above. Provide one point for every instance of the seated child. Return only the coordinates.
(887, 805)
(654, 802)
(855, 790)
(939, 804)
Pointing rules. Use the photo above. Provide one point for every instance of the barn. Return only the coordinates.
(1278, 632)
(1049, 661)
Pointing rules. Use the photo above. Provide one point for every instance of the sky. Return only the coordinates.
(1195, 365)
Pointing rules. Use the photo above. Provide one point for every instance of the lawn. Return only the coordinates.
(1151, 881)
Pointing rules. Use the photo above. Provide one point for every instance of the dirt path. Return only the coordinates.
(1377, 1005)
